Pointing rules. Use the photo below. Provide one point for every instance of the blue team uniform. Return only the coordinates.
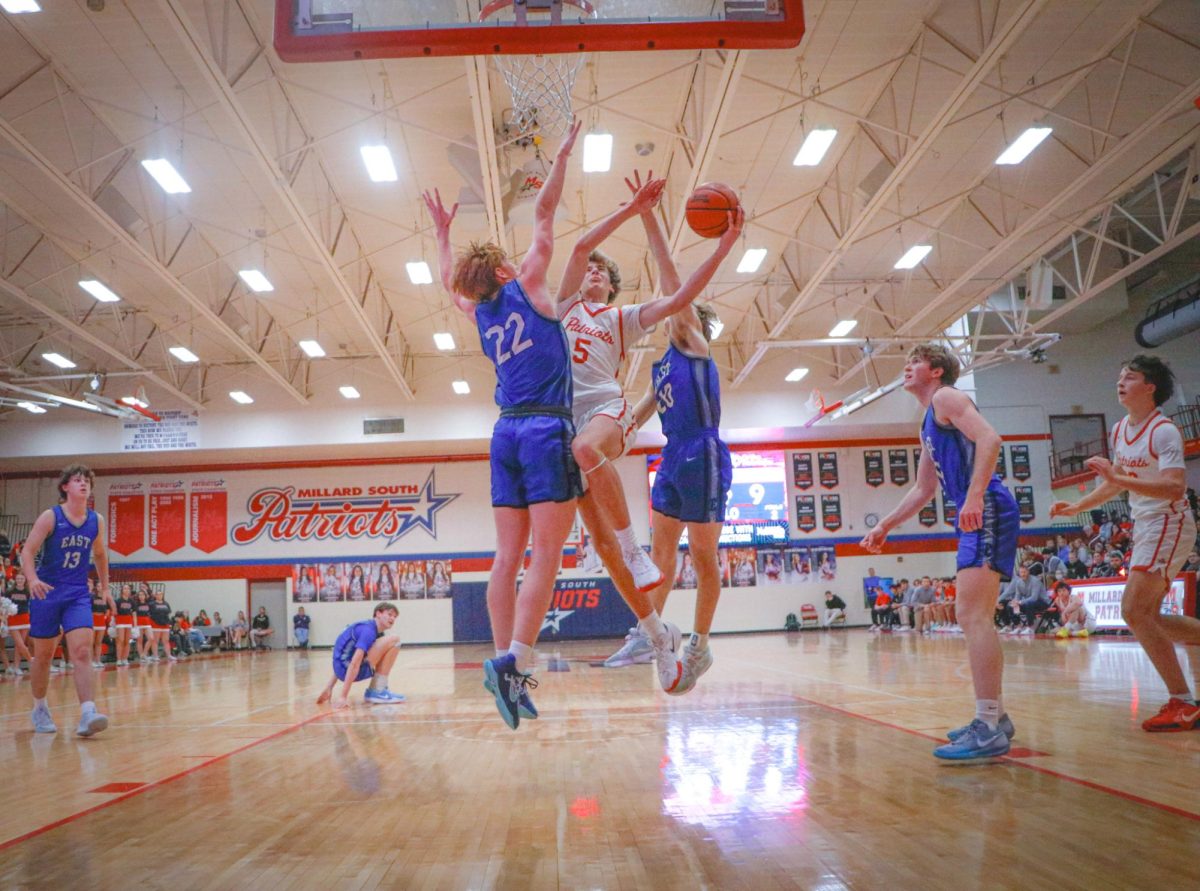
(64, 563)
(694, 477)
(531, 443)
(359, 636)
(994, 544)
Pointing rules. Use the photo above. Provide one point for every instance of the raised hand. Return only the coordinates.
(569, 143)
(873, 540)
(737, 221)
(1103, 467)
(442, 218)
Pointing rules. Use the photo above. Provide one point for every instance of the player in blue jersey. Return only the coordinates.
(535, 480)
(694, 476)
(58, 555)
(959, 449)
(365, 651)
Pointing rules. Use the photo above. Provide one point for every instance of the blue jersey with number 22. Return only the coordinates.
(529, 351)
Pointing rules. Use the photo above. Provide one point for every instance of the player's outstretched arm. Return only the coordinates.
(669, 281)
(957, 408)
(42, 527)
(657, 310)
(442, 219)
(644, 409)
(1102, 494)
(918, 496)
(537, 260)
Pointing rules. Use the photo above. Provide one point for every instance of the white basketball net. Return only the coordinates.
(541, 91)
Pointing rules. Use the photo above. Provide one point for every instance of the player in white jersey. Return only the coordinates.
(599, 334)
(1147, 451)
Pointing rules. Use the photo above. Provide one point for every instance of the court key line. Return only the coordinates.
(1079, 781)
(71, 818)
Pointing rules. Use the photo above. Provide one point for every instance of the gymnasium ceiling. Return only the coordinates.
(924, 96)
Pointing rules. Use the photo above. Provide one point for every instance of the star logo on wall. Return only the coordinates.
(424, 506)
(553, 620)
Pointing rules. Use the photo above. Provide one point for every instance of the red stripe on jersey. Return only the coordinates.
(1145, 427)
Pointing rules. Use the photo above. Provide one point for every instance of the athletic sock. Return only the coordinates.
(523, 654)
(627, 540)
(378, 682)
(699, 641)
(41, 703)
(500, 654)
(988, 711)
(87, 707)
(652, 626)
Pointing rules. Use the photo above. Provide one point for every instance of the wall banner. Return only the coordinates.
(802, 470)
(168, 516)
(579, 608)
(949, 511)
(1019, 456)
(927, 516)
(831, 512)
(1024, 496)
(873, 466)
(126, 518)
(827, 469)
(898, 466)
(806, 513)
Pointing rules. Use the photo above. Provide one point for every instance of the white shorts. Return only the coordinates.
(619, 410)
(1161, 543)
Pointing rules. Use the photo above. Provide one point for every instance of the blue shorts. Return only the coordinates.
(693, 481)
(365, 671)
(532, 461)
(993, 544)
(64, 609)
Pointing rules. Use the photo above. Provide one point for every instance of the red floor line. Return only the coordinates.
(41, 830)
(1087, 784)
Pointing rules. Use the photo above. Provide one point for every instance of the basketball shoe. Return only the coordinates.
(666, 657)
(1005, 724)
(506, 683)
(91, 722)
(42, 721)
(1177, 714)
(646, 576)
(382, 697)
(695, 662)
(979, 741)
(637, 650)
(525, 707)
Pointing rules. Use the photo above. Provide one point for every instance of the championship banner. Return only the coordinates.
(927, 516)
(831, 512)
(126, 518)
(579, 608)
(1024, 496)
(873, 466)
(827, 469)
(208, 511)
(802, 470)
(1001, 465)
(949, 511)
(168, 517)
(898, 466)
(1019, 456)
(806, 513)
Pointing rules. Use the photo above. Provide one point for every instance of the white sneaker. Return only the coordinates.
(695, 662)
(122, 662)
(646, 576)
(666, 657)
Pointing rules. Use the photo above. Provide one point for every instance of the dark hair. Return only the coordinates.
(1061, 584)
(71, 471)
(1156, 372)
(938, 356)
(614, 272)
(386, 608)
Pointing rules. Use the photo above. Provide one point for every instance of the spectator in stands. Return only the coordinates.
(1029, 599)
(238, 631)
(921, 603)
(220, 632)
(1192, 563)
(179, 635)
(1107, 527)
(881, 611)
(835, 608)
(300, 623)
(260, 629)
(194, 636)
(901, 594)
(1113, 567)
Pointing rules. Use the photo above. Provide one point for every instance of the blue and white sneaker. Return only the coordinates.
(637, 650)
(91, 723)
(42, 722)
(526, 708)
(1006, 725)
(381, 697)
(502, 679)
(978, 742)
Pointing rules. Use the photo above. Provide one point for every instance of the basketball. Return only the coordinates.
(708, 209)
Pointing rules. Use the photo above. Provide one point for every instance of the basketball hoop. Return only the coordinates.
(541, 84)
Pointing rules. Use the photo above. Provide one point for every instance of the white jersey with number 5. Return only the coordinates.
(1144, 452)
(598, 336)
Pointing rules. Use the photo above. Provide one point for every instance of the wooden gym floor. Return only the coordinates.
(799, 761)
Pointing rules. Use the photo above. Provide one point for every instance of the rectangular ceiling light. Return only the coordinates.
(99, 291)
(166, 176)
(255, 280)
(597, 152)
(349, 392)
(419, 273)
(239, 396)
(842, 328)
(379, 163)
(183, 354)
(752, 259)
(58, 359)
(1024, 144)
(913, 256)
(443, 340)
(312, 349)
(31, 407)
(462, 388)
(796, 374)
(816, 144)
(13, 7)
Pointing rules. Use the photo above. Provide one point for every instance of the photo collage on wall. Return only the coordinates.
(365, 580)
(756, 567)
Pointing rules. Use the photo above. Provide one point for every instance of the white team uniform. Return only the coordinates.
(599, 335)
(1163, 530)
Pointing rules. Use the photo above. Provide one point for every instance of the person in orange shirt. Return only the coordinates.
(881, 612)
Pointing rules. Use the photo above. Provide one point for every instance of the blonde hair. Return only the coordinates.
(475, 271)
(614, 272)
(938, 356)
(708, 319)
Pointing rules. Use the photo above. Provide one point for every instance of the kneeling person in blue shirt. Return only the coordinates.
(364, 651)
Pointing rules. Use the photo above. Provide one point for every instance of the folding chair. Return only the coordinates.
(808, 615)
